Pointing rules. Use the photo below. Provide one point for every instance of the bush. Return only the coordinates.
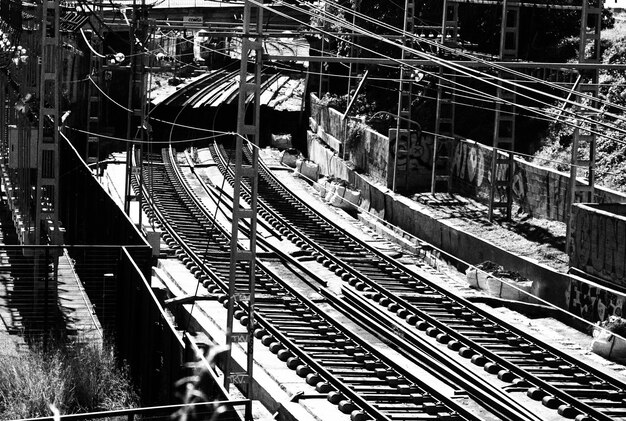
(81, 378)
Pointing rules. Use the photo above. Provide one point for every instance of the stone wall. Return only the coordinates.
(599, 241)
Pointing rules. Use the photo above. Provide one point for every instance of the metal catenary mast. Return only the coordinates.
(248, 132)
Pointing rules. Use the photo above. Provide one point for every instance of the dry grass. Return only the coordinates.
(74, 380)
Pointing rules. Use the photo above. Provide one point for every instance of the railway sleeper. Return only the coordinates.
(354, 380)
(598, 395)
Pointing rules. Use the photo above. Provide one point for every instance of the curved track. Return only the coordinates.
(560, 381)
(357, 377)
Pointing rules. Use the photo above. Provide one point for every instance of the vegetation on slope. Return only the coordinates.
(611, 149)
(75, 380)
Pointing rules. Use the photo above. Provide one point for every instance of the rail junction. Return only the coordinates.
(271, 279)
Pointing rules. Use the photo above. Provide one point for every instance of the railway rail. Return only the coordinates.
(561, 382)
(358, 378)
(222, 87)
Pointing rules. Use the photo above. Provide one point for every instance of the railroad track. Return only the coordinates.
(358, 378)
(217, 88)
(561, 382)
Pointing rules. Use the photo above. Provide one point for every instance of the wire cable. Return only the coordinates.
(467, 71)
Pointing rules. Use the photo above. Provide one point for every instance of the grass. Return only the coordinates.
(77, 379)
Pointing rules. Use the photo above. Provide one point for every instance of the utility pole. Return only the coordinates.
(504, 125)
(355, 7)
(94, 97)
(584, 142)
(405, 95)
(445, 113)
(47, 226)
(47, 190)
(248, 131)
(137, 98)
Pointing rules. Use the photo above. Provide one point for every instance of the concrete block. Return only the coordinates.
(281, 141)
(289, 157)
(352, 198)
(335, 195)
(307, 169)
(153, 236)
(608, 345)
(320, 187)
(313, 124)
(504, 288)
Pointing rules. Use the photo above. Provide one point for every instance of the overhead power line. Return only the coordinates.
(455, 66)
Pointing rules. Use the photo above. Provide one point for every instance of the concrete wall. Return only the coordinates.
(599, 242)
(375, 153)
(540, 191)
(599, 237)
(593, 302)
(372, 154)
(583, 298)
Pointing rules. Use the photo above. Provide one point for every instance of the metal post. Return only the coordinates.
(504, 124)
(577, 191)
(94, 98)
(404, 90)
(321, 73)
(130, 115)
(247, 130)
(47, 191)
(355, 6)
(137, 102)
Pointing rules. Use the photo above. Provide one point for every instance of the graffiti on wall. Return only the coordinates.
(594, 304)
(471, 167)
(468, 164)
(599, 245)
(414, 159)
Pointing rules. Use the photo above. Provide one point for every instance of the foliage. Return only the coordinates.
(541, 34)
(338, 102)
(362, 106)
(354, 135)
(611, 150)
(81, 378)
(198, 388)
(615, 325)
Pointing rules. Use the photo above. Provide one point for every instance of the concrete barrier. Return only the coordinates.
(289, 157)
(599, 241)
(307, 169)
(606, 344)
(281, 141)
(551, 286)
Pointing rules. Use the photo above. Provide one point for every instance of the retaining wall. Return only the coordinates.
(599, 241)
(373, 153)
(540, 191)
(579, 296)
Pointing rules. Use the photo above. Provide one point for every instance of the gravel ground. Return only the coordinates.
(537, 239)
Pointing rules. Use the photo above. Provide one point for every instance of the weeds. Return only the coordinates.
(76, 379)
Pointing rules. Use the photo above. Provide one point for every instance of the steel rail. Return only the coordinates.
(340, 327)
(319, 314)
(451, 374)
(448, 371)
(544, 388)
